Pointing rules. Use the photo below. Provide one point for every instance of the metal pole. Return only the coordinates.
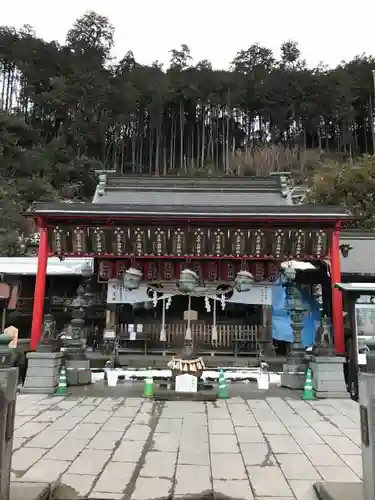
(372, 100)
(367, 415)
(8, 393)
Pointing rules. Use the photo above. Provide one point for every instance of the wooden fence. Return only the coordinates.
(230, 337)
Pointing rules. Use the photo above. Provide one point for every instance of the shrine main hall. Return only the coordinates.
(191, 258)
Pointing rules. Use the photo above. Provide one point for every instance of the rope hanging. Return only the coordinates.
(188, 335)
(163, 336)
(211, 294)
(214, 329)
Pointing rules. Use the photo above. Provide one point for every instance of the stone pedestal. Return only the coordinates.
(339, 491)
(78, 371)
(8, 394)
(42, 376)
(366, 382)
(328, 380)
(294, 370)
(32, 491)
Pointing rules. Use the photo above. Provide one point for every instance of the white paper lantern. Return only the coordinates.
(132, 278)
(244, 281)
(188, 281)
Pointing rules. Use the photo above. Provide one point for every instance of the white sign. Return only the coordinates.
(365, 330)
(260, 294)
(362, 358)
(109, 334)
(186, 383)
(132, 332)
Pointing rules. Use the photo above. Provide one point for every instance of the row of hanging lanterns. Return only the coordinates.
(188, 281)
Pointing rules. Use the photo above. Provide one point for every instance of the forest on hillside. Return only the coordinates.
(68, 110)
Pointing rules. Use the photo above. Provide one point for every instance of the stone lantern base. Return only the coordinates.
(328, 380)
(42, 375)
(293, 375)
(294, 371)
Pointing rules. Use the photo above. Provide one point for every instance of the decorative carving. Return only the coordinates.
(48, 342)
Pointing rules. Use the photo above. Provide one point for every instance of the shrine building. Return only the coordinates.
(190, 258)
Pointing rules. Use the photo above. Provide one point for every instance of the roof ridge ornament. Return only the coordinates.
(102, 184)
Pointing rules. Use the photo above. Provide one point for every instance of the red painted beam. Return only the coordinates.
(40, 285)
(337, 306)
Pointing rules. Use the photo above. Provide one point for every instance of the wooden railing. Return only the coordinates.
(25, 305)
(229, 337)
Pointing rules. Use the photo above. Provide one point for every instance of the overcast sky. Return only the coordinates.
(327, 30)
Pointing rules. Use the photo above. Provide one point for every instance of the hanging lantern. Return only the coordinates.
(243, 281)
(132, 278)
(290, 273)
(188, 281)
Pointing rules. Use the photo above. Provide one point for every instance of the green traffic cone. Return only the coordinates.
(308, 393)
(62, 389)
(148, 391)
(222, 392)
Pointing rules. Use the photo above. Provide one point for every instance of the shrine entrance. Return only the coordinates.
(154, 319)
(197, 258)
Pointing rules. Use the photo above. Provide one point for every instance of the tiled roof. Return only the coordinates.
(192, 197)
(192, 192)
(301, 212)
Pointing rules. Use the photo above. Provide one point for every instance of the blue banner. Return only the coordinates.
(281, 316)
(281, 321)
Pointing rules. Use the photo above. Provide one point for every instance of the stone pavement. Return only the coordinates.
(130, 448)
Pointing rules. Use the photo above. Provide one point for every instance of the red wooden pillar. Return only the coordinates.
(40, 285)
(337, 308)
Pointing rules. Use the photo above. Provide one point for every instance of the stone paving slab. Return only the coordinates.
(134, 449)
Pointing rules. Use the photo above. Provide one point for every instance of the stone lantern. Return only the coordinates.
(87, 270)
(290, 274)
(74, 346)
(188, 281)
(243, 281)
(132, 278)
(293, 375)
(77, 365)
